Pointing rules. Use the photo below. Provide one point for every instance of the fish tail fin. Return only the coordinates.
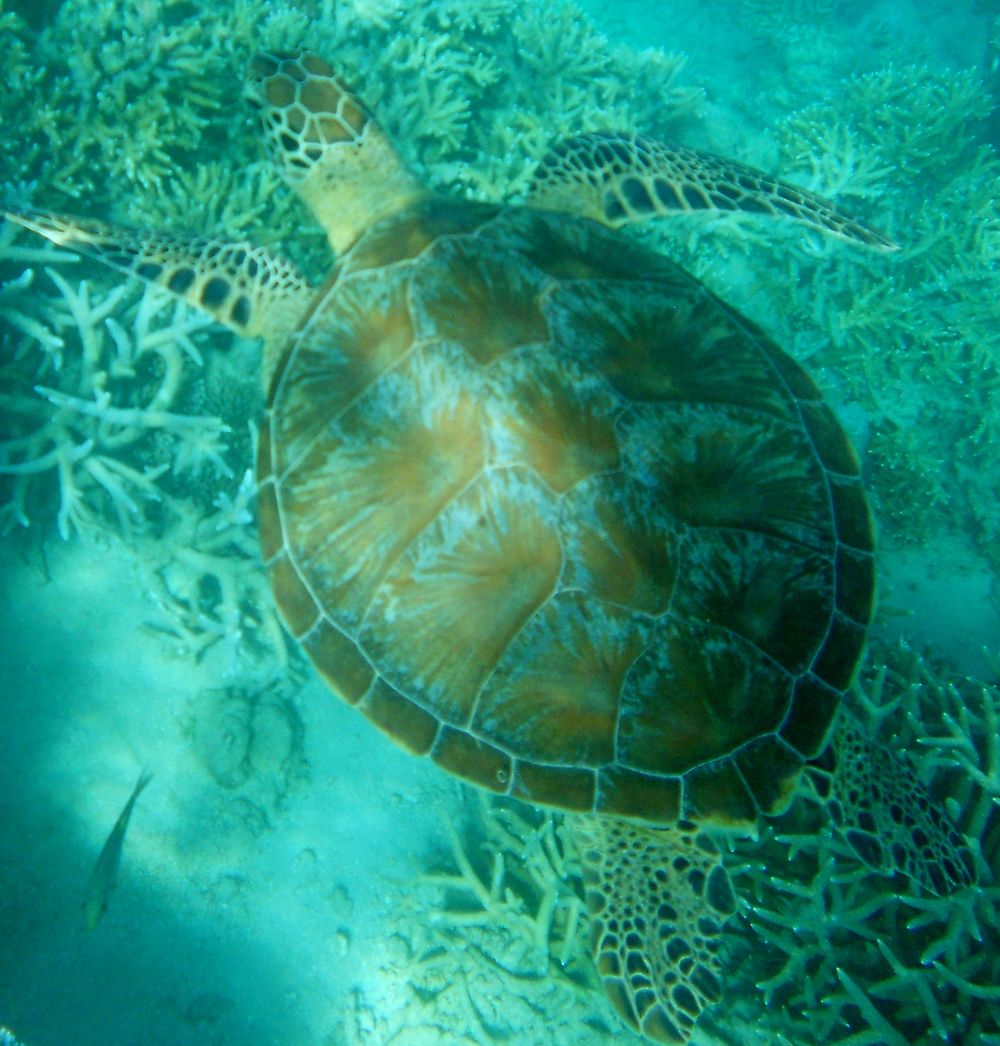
(144, 778)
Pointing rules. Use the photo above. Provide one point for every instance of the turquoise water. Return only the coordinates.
(289, 876)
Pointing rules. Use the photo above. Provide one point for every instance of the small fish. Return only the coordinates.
(102, 879)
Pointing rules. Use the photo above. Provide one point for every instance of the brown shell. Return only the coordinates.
(543, 507)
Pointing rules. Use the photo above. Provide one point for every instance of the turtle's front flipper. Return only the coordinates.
(658, 898)
(622, 178)
(886, 814)
(239, 285)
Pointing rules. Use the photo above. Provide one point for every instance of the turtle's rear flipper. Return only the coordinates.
(887, 815)
(658, 899)
(621, 178)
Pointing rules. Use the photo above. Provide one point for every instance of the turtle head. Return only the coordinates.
(327, 145)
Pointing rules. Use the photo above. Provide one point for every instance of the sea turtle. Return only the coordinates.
(544, 508)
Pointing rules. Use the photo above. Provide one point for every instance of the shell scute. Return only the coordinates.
(474, 759)
(722, 466)
(716, 791)
(381, 472)
(554, 696)
(404, 720)
(639, 337)
(812, 708)
(564, 786)
(769, 769)
(773, 593)
(464, 589)
(340, 353)
(628, 793)
(697, 693)
(564, 439)
(486, 302)
(337, 658)
(620, 544)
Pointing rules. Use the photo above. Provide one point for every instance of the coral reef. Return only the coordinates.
(150, 94)
(516, 869)
(204, 575)
(105, 429)
(478, 92)
(837, 953)
(123, 413)
(117, 390)
(775, 19)
(914, 340)
(493, 938)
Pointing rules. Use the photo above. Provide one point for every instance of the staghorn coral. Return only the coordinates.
(476, 93)
(205, 577)
(840, 954)
(87, 415)
(19, 77)
(491, 939)
(777, 17)
(792, 46)
(106, 101)
(111, 85)
(918, 117)
(109, 100)
(121, 414)
(840, 162)
(522, 874)
(918, 340)
(15, 291)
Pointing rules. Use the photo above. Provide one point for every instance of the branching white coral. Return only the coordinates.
(85, 417)
(491, 939)
(522, 876)
(210, 587)
(839, 165)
